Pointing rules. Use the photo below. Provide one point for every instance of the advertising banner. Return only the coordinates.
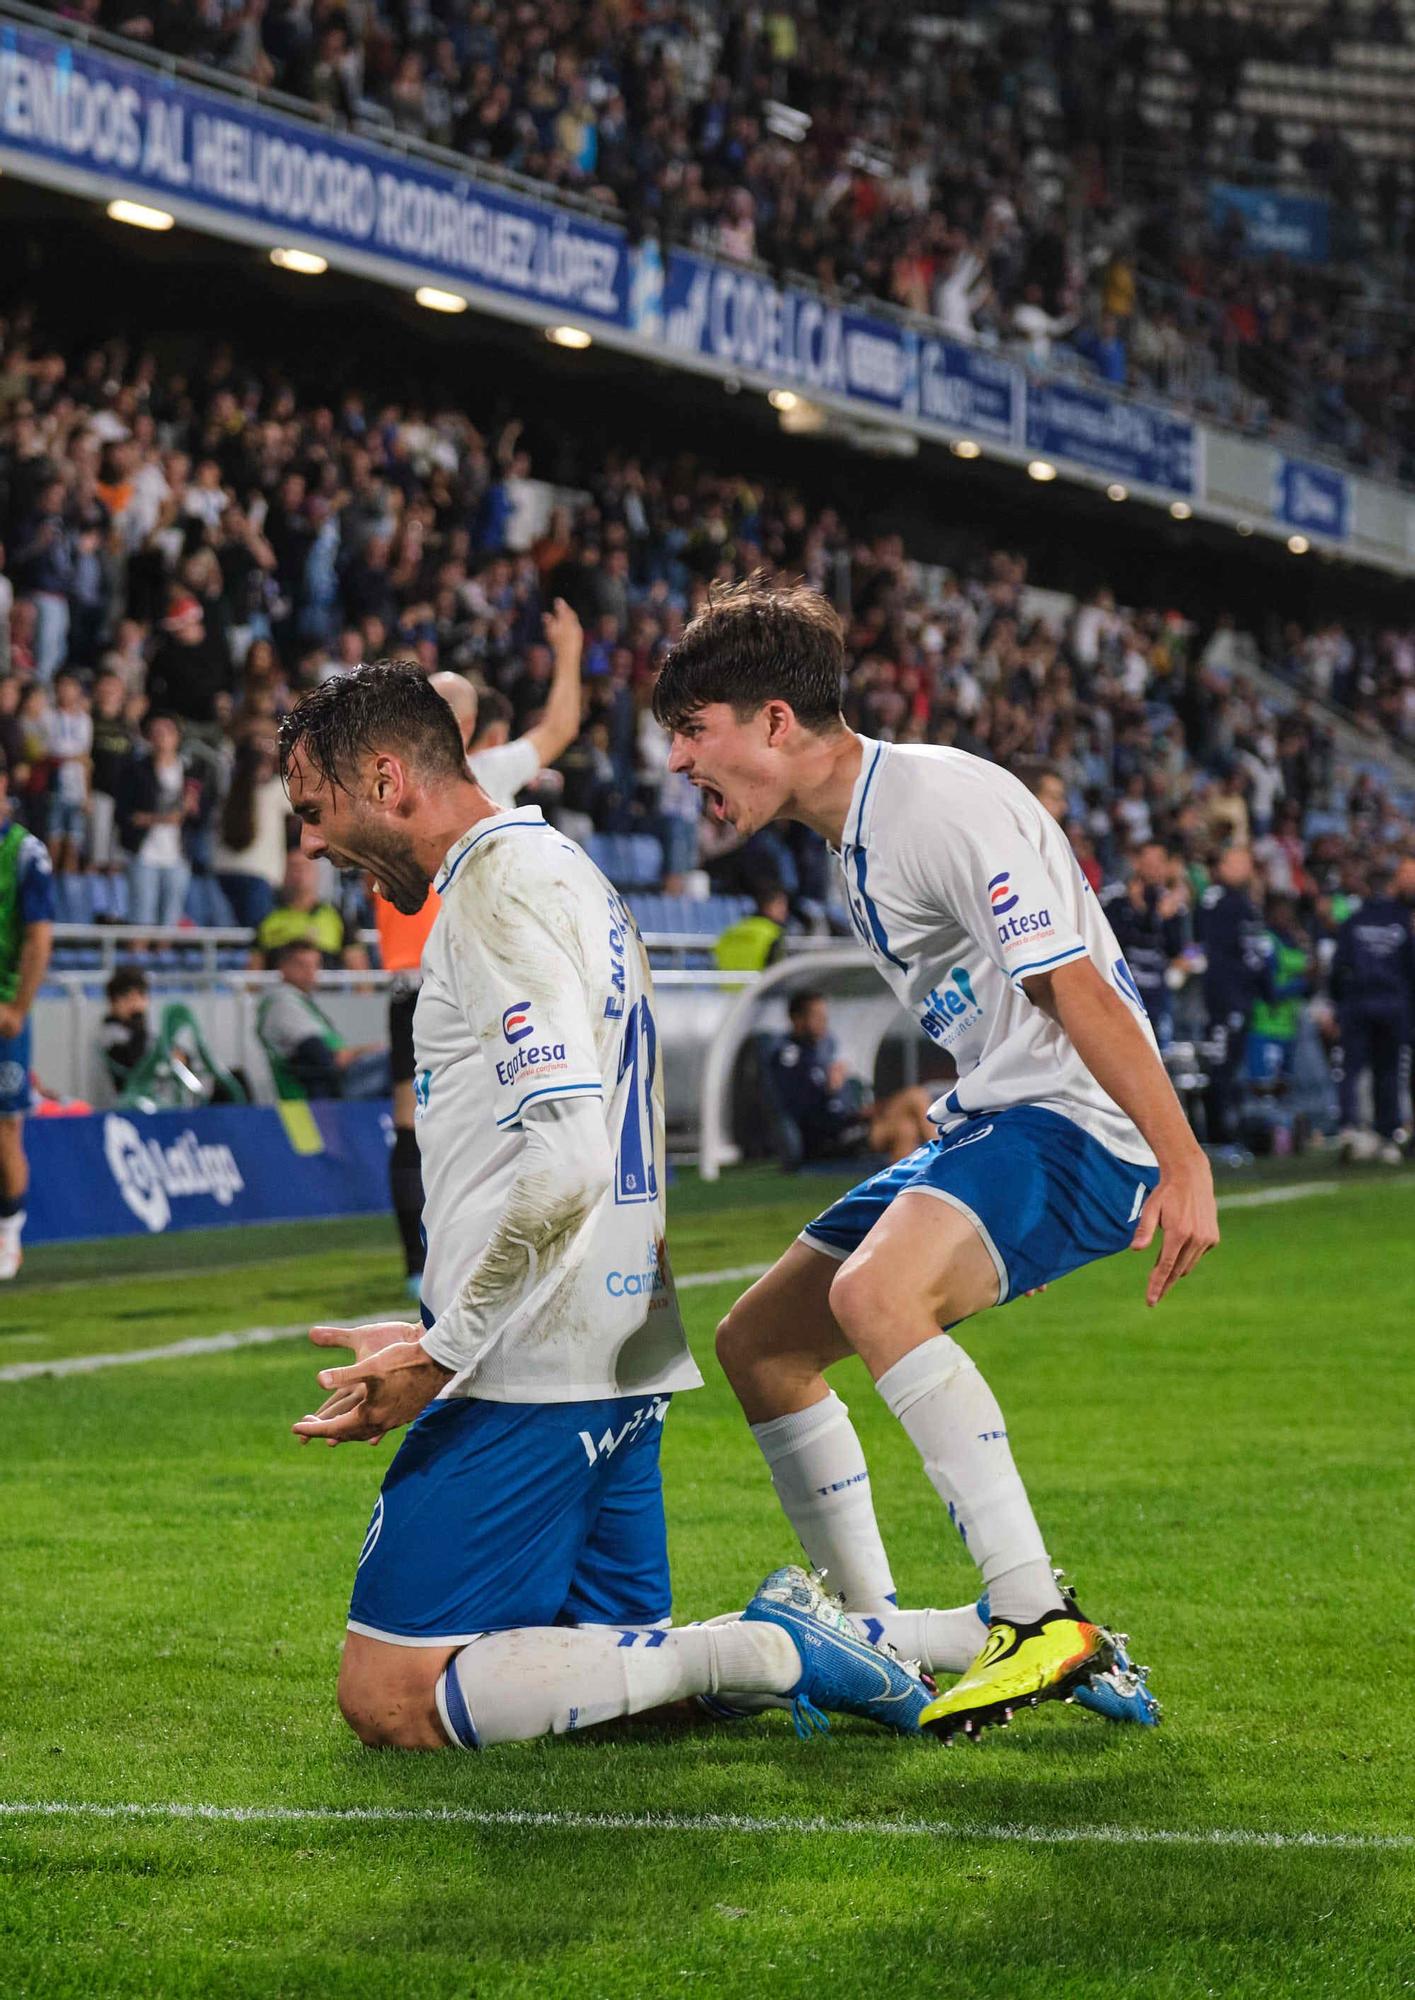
(1274, 224)
(1129, 441)
(172, 139)
(130, 1173)
(1314, 498)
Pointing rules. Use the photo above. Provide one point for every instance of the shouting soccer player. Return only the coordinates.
(514, 1577)
(1060, 1142)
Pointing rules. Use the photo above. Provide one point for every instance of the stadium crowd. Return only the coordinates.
(1007, 181)
(184, 555)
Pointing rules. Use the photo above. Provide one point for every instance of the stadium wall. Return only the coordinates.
(78, 117)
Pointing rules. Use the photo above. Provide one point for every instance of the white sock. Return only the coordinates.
(508, 1687)
(953, 1418)
(943, 1642)
(823, 1484)
(12, 1226)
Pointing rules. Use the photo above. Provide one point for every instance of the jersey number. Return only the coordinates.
(635, 1177)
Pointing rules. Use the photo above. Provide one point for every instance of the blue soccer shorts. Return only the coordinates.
(16, 1097)
(1044, 1196)
(495, 1516)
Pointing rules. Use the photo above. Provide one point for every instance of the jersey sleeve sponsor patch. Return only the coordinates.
(1030, 930)
(523, 987)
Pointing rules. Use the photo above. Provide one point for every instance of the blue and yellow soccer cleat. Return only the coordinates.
(1120, 1693)
(840, 1671)
(1018, 1667)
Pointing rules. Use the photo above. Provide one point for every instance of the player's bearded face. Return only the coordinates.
(355, 833)
(388, 857)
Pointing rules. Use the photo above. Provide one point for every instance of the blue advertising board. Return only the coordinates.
(1274, 224)
(82, 109)
(966, 389)
(743, 321)
(1128, 441)
(1314, 498)
(130, 1173)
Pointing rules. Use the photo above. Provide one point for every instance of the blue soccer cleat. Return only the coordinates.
(1120, 1694)
(840, 1671)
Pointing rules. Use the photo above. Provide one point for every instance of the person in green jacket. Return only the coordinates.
(1274, 1022)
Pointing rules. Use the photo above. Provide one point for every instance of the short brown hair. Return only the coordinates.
(755, 642)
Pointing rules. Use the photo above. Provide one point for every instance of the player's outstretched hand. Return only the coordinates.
(563, 629)
(390, 1381)
(1184, 1208)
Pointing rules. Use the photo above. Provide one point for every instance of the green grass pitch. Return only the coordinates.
(1228, 1478)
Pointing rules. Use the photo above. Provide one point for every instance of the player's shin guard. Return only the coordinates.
(823, 1484)
(508, 1687)
(405, 1185)
(954, 1420)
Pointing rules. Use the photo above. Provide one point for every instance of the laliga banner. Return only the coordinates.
(82, 109)
(127, 1173)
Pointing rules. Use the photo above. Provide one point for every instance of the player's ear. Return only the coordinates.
(779, 717)
(390, 783)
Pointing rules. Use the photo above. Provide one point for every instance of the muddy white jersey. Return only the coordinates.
(535, 987)
(961, 886)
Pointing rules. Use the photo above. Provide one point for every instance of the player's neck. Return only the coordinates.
(825, 784)
(448, 814)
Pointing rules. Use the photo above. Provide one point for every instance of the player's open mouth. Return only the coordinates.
(716, 802)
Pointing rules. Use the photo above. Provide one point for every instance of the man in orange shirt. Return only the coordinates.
(502, 770)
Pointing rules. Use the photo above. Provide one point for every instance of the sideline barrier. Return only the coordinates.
(131, 1173)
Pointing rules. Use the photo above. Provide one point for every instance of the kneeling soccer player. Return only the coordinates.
(1060, 1142)
(514, 1577)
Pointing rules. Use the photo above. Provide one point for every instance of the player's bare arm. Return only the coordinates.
(1121, 1058)
(560, 723)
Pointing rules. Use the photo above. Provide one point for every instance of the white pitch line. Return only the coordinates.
(1266, 1197)
(495, 1820)
(264, 1336)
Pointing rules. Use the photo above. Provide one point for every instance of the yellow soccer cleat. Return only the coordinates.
(1019, 1666)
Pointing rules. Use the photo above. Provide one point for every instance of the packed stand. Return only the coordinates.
(183, 556)
(999, 175)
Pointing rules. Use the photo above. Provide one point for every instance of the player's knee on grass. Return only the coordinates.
(391, 1704)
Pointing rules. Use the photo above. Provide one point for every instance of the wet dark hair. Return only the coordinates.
(386, 706)
(756, 642)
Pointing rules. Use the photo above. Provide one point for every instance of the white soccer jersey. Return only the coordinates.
(536, 986)
(960, 885)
